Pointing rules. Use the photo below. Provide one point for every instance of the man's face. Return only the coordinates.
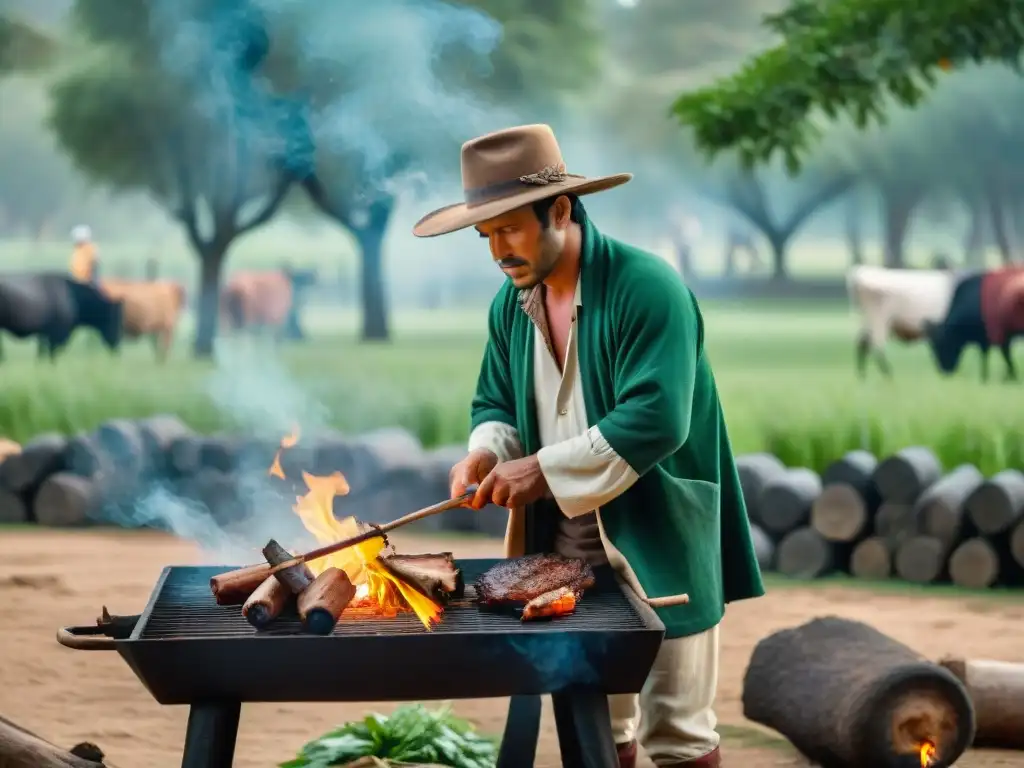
(524, 249)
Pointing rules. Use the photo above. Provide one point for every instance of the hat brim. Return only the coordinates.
(452, 218)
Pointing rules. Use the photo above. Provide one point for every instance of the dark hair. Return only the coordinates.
(542, 208)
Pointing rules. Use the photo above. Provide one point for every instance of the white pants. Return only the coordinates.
(672, 718)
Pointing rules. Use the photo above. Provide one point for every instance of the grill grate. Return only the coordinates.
(185, 609)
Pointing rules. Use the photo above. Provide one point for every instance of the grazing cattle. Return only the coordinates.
(151, 308)
(896, 302)
(51, 306)
(266, 301)
(987, 310)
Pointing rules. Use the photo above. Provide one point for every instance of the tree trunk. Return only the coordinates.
(777, 242)
(854, 231)
(898, 208)
(974, 240)
(997, 215)
(208, 310)
(370, 237)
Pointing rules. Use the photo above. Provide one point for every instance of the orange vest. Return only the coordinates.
(83, 262)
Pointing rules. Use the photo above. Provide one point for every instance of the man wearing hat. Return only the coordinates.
(596, 421)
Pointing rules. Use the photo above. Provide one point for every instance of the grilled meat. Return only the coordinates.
(436, 576)
(557, 602)
(521, 579)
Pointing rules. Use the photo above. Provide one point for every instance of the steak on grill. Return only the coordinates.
(522, 579)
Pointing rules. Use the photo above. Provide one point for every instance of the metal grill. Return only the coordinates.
(184, 608)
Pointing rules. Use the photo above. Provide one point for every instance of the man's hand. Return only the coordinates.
(511, 484)
(471, 470)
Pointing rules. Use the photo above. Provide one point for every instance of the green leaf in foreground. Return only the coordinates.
(411, 734)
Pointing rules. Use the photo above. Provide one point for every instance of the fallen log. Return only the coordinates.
(848, 696)
(83, 456)
(785, 501)
(982, 562)
(905, 475)
(235, 587)
(804, 554)
(158, 434)
(764, 547)
(755, 470)
(872, 559)
(39, 458)
(20, 748)
(66, 500)
(322, 602)
(855, 469)
(998, 503)
(895, 523)
(183, 460)
(922, 560)
(996, 689)
(939, 511)
(13, 509)
(841, 514)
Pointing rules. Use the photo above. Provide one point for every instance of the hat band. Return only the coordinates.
(551, 174)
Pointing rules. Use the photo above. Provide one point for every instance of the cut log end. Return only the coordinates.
(804, 554)
(903, 477)
(839, 513)
(266, 603)
(66, 500)
(997, 503)
(322, 602)
(872, 559)
(921, 560)
(974, 564)
(785, 502)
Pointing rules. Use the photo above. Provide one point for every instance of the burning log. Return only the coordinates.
(66, 500)
(998, 503)
(847, 696)
(266, 603)
(322, 602)
(785, 501)
(436, 576)
(20, 748)
(39, 458)
(872, 559)
(939, 511)
(996, 689)
(804, 554)
(904, 476)
(235, 587)
(755, 470)
(297, 578)
(12, 508)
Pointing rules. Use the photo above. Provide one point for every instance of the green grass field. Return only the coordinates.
(785, 375)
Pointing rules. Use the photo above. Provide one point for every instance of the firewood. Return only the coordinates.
(872, 559)
(841, 514)
(755, 470)
(855, 469)
(66, 500)
(121, 443)
(939, 511)
(20, 748)
(997, 504)
(322, 602)
(1017, 544)
(804, 554)
(266, 603)
(922, 560)
(904, 476)
(39, 458)
(983, 562)
(82, 456)
(13, 508)
(297, 578)
(785, 501)
(158, 434)
(848, 696)
(764, 547)
(235, 587)
(894, 522)
(219, 453)
(184, 455)
(996, 689)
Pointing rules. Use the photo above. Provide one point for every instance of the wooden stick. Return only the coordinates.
(996, 689)
(235, 587)
(322, 602)
(375, 531)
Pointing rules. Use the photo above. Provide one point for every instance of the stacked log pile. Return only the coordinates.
(904, 516)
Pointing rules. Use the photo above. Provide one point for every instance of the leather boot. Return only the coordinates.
(712, 759)
(627, 754)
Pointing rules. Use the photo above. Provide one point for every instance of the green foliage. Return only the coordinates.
(22, 47)
(845, 57)
(411, 734)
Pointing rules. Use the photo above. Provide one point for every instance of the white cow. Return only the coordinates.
(896, 302)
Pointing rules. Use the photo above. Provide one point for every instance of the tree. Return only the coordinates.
(22, 47)
(845, 57)
(173, 103)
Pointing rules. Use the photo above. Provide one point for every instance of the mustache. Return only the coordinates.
(511, 261)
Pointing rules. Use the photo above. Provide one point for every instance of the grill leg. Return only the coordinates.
(522, 727)
(210, 736)
(584, 729)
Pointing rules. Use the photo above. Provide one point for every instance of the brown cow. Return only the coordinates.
(265, 301)
(151, 308)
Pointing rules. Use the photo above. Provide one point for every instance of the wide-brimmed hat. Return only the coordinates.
(505, 170)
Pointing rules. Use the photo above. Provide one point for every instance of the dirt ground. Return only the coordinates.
(49, 579)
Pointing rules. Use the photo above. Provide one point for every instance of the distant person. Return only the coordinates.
(685, 234)
(597, 423)
(84, 256)
(740, 238)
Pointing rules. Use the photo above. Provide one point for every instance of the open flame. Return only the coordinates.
(376, 587)
(928, 753)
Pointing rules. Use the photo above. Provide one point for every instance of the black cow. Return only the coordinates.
(964, 326)
(51, 306)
